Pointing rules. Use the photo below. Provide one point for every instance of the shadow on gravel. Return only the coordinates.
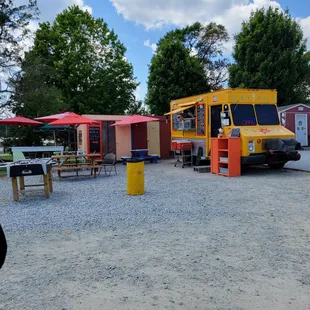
(255, 171)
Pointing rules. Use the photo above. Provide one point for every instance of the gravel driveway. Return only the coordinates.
(193, 241)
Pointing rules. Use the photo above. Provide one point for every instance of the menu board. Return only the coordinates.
(201, 120)
(94, 139)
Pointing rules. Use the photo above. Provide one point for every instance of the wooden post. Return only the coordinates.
(50, 181)
(15, 189)
(46, 187)
(21, 183)
(58, 166)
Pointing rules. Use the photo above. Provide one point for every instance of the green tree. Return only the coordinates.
(90, 68)
(34, 96)
(173, 74)
(206, 43)
(269, 53)
(188, 62)
(137, 107)
(14, 21)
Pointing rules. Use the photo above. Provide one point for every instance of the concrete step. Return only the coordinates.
(202, 169)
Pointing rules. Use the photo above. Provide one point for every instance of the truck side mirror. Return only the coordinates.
(225, 122)
(224, 118)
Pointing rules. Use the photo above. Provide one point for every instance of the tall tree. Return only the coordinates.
(33, 94)
(137, 107)
(14, 21)
(188, 62)
(89, 63)
(270, 54)
(173, 74)
(206, 43)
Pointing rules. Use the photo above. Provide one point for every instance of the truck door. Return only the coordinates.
(215, 120)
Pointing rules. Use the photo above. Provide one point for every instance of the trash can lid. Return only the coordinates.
(135, 160)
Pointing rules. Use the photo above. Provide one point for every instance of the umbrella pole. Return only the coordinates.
(75, 138)
(55, 138)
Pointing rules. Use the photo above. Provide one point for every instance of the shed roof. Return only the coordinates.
(291, 106)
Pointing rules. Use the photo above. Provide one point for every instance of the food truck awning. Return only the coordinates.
(181, 109)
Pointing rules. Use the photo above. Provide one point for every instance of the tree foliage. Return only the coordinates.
(14, 21)
(270, 54)
(188, 62)
(88, 63)
(34, 96)
(137, 107)
(206, 43)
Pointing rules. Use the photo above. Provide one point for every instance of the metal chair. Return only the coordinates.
(108, 164)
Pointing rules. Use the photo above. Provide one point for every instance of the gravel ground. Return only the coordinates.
(193, 241)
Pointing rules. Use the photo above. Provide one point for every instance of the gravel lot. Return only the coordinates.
(193, 241)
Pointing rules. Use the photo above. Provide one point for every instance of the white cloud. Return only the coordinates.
(138, 93)
(305, 24)
(50, 8)
(153, 46)
(155, 14)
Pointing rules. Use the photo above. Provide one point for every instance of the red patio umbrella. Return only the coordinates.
(135, 119)
(19, 121)
(52, 118)
(73, 119)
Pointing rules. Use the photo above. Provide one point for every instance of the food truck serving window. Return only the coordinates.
(243, 114)
(267, 114)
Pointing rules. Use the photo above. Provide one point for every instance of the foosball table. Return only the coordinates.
(32, 167)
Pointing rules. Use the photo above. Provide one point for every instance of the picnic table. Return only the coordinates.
(74, 162)
(141, 154)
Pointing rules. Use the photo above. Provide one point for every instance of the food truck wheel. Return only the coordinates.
(276, 166)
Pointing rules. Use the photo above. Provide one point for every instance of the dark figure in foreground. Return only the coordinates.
(3, 247)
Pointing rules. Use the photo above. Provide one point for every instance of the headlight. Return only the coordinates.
(251, 147)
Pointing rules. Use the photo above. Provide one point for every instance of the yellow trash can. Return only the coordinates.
(135, 177)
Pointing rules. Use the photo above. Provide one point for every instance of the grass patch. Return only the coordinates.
(2, 172)
(6, 157)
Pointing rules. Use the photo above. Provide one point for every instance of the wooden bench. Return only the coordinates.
(77, 169)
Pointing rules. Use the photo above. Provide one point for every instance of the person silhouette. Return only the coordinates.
(3, 247)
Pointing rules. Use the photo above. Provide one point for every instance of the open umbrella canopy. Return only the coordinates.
(134, 119)
(20, 121)
(74, 119)
(48, 128)
(52, 118)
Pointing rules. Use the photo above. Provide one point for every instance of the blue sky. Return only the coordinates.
(141, 23)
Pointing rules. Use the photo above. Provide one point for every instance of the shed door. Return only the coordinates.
(108, 138)
(153, 140)
(301, 129)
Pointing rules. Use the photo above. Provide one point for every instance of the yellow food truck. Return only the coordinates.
(252, 113)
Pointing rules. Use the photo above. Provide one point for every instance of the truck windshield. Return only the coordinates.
(267, 114)
(243, 114)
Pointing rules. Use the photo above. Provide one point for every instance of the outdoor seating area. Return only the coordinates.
(76, 163)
